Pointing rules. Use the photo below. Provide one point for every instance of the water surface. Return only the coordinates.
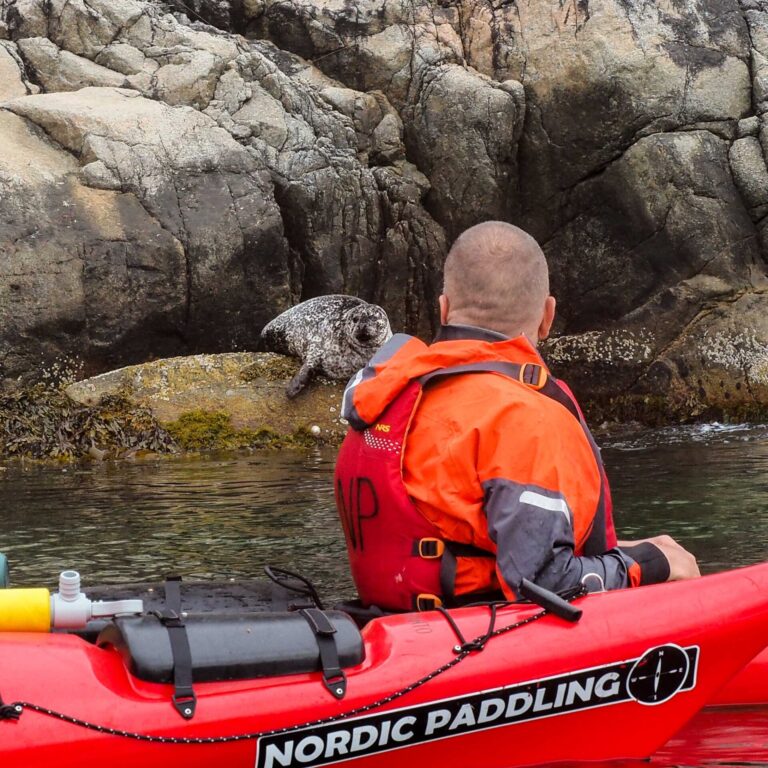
(706, 485)
(222, 517)
(205, 518)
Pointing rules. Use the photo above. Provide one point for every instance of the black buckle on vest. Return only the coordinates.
(430, 548)
(334, 677)
(427, 602)
(184, 699)
(532, 375)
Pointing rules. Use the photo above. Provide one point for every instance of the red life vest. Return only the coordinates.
(399, 559)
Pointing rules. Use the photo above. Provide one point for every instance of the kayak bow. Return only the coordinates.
(617, 684)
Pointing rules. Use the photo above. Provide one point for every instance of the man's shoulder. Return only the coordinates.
(482, 384)
(478, 398)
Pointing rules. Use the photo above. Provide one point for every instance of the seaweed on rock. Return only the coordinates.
(43, 423)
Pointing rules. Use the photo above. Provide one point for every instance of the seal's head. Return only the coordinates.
(366, 328)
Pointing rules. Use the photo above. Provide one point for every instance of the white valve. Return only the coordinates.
(71, 609)
(69, 586)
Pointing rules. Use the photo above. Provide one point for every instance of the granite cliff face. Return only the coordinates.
(168, 185)
(166, 188)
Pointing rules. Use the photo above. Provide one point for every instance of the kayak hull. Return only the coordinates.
(616, 685)
(749, 688)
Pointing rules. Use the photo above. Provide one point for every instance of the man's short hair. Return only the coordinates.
(496, 277)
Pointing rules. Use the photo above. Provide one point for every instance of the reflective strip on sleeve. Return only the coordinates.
(552, 504)
(527, 523)
(348, 410)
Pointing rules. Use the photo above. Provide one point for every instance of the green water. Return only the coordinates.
(205, 518)
(222, 517)
(706, 485)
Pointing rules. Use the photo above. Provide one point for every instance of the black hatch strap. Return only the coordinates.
(334, 678)
(184, 699)
(338, 717)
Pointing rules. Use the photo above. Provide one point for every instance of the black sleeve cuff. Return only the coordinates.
(654, 567)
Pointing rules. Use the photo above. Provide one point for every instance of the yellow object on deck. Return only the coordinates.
(25, 610)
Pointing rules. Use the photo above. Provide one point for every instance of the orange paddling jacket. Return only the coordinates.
(467, 468)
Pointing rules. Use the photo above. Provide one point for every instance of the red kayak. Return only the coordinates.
(748, 688)
(517, 689)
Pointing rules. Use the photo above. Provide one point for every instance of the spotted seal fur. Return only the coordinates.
(332, 335)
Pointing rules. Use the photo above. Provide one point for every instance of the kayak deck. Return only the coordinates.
(617, 684)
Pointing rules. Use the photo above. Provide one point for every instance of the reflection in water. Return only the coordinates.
(203, 518)
(225, 517)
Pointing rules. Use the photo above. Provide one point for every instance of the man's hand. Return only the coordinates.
(682, 564)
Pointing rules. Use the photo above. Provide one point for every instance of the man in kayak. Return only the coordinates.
(468, 467)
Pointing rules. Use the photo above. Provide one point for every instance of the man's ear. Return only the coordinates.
(444, 307)
(547, 318)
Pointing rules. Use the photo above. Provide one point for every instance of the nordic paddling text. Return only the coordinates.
(651, 679)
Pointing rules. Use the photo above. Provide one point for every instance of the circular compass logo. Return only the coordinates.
(658, 675)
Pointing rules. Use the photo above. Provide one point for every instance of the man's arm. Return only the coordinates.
(532, 529)
(540, 488)
(533, 532)
(664, 557)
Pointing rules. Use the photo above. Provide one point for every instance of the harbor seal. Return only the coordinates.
(332, 335)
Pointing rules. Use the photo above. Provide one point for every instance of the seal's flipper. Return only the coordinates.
(300, 380)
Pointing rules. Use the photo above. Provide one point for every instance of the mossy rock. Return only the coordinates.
(225, 401)
(200, 430)
(205, 430)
